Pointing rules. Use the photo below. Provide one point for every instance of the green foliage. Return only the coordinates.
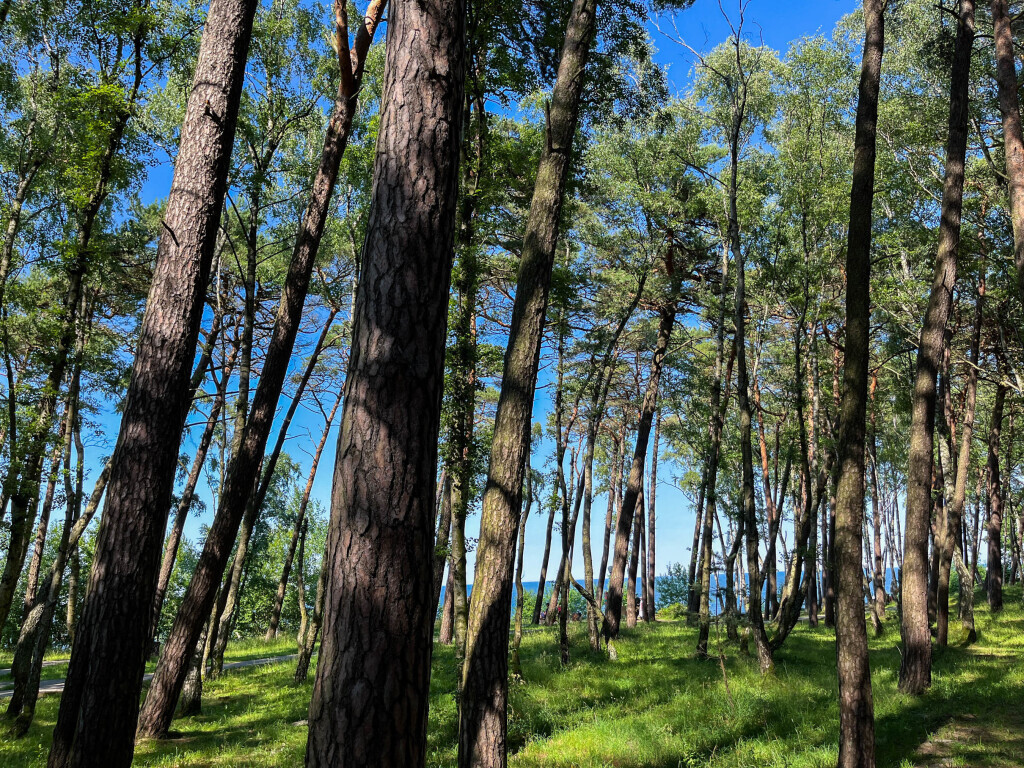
(674, 586)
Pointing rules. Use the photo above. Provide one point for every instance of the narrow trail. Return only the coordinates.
(56, 686)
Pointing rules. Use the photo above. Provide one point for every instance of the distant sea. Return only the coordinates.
(716, 605)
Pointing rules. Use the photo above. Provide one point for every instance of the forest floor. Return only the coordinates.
(657, 706)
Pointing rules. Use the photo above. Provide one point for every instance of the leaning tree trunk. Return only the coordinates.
(300, 519)
(187, 495)
(27, 665)
(483, 727)
(370, 695)
(253, 506)
(856, 706)
(96, 723)
(634, 486)
(243, 469)
(916, 667)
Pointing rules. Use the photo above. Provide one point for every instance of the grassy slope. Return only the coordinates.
(656, 707)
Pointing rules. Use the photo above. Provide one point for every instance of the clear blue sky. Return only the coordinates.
(703, 27)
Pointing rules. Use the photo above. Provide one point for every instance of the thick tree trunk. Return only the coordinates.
(1013, 137)
(96, 724)
(856, 706)
(370, 695)
(483, 726)
(242, 473)
(915, 669)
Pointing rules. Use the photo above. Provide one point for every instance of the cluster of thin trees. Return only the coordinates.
(718, 289)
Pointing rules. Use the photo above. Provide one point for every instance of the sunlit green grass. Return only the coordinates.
(657, 706)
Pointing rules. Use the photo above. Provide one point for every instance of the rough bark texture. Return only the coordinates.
(915, 669)
(856, 706)
(369, 703)
(483, 727)
(1013, 137)
(96, 723)
(243, 469)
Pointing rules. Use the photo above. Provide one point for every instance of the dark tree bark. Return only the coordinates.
(1013, 137)
(96, 723)
(370, 695)
(856, 707)
(243, 469)
(915, 669)
(483, 726)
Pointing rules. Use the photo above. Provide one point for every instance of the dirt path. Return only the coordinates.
(56, 686)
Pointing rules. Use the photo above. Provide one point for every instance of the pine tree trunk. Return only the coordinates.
(856, 706)
(483, 727)
(378, 624)
(915, 669)
(96, 723)
(1013, 137)
(300, 519)
(613, 612)
(187, 495)
(236, 499)
(538, 606)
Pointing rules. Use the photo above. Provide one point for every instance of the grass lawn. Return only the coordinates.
(657, 706)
